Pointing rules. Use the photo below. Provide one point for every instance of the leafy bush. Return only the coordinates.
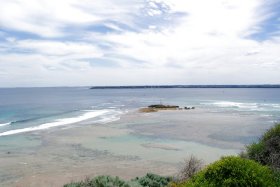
(153, 180)
(150, 180)
(273, 132)
(276, 176)
(233, 171)
(100, 181)
(267, 150)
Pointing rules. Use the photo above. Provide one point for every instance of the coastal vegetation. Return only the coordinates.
(191, 166)
(157, 107)
(267, 150)
(232, 171)
(153, 180)
(100, 181)
(257, 166)
(187, 86)
(149, 180)
(161, 106)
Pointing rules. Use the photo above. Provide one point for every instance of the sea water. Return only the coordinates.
(76, 131)
(24, 110)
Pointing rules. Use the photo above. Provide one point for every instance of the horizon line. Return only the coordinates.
(161, 86)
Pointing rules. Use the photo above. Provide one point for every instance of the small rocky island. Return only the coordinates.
(157, 107)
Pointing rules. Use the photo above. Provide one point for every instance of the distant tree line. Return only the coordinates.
(188, 86)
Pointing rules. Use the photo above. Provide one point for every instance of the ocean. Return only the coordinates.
(51, 136)
(30, 109)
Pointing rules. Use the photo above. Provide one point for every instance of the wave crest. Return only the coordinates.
(60, 122)
(5, 124)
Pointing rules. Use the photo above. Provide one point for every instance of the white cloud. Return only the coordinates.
(49, 17)
(54, 48)
(207, 43)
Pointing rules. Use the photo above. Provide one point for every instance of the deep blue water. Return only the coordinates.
(29, 107)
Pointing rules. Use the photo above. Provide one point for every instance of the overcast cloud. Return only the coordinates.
(139, 42)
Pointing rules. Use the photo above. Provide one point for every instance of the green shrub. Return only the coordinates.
(100, 181)
(276, 176)
(273, 132)
(267, 150)
(232, 172)
(153, 180)
(150, 180)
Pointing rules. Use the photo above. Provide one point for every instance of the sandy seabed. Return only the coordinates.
(132, 146)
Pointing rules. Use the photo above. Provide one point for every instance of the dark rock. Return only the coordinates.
(163, 106)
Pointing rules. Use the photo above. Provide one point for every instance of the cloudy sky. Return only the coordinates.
(139, 42)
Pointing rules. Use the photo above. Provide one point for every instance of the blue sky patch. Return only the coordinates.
(101, 62)
(270, 27)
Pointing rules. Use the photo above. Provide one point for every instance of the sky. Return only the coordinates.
(139, 42)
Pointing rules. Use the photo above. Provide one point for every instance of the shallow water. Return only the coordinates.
(64, 134)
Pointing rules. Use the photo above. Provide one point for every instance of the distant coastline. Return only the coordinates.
(188, 86)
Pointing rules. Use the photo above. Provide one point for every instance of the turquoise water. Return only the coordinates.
(22, 108)
(58, 132)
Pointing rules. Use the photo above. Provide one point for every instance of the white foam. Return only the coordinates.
(266, 115)
(233, 104)
(273, 105)
(108, 119)
(246, 106)
(112, 116)
(5, 124)
(229, 104)
(59, 122)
